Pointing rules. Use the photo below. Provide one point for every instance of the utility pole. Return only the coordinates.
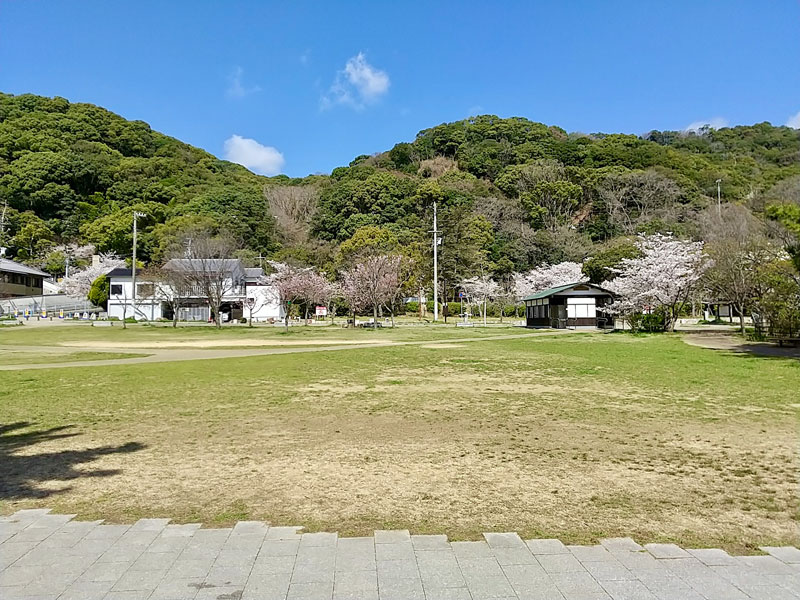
(719, 199)
(133, 263)
(435, 267)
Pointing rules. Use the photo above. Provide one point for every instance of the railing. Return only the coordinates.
(48, 302)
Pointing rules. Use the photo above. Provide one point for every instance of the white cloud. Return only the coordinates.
(357, 85)
(715, 123)
(794, 121)
(256, 157)
(305, 57)
(236, 87)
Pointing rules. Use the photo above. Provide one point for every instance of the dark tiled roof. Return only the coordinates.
(10, 266)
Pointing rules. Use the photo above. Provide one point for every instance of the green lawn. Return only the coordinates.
(572, 436)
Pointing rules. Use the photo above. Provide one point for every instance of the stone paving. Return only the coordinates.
(47, 556)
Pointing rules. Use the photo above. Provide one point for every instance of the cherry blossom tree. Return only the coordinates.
(372, 282)
(547, 276)
(289, 283)
(80, 282)
(481, 288)
(663, 277)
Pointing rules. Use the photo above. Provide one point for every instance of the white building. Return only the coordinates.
(242, 287)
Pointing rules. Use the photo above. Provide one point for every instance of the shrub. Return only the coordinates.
(412, 307)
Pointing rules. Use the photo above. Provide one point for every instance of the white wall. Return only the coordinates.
(120, 305)
(266, 305)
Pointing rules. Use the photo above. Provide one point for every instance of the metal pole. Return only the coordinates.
(719, 199)
(133, 267)
(435, 267)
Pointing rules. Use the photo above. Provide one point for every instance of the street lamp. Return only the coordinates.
(719, 198)
(136, 214)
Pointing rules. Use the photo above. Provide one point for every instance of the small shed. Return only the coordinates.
(571, 306)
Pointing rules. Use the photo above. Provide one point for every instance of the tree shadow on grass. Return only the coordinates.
(21, 474)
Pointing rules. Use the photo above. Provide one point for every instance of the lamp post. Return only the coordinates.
(436, 241)
(719, 198)
(136, 214)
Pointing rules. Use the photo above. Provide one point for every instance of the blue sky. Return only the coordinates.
(301, 87)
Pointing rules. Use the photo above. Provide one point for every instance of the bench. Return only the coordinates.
(460, 324)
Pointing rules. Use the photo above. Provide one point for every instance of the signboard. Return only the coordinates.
(322, 311)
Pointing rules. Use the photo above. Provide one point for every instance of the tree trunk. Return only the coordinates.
(741, 320)
(374, 316)
(286, 317)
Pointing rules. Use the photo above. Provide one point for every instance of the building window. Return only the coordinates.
(144, 290)
(116, 289)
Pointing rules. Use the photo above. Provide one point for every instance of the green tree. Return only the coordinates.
(98, 293)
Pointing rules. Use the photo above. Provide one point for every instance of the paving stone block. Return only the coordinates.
(787, 554)
(224, 592)
(273, 564)
(430, 542)
(103, 532)
(235, 557)
(440, 574)
(392, 536)
(609, 571)
(514, 556)
(52, 583)
(356, 595)
(227, 575)
(543, 591)
(622, 544)
(561, 563)
(447, 594)
(150, 524)
(121, 553)
(313, 572)
(310, 591)
(579, 586)
(250, 528)
(666, 551)
(87, 590)
(180, 530)
(713, 557)
(269, 586)
(395, 551)
(504, 540)
(641, 560)
(21, 574)
(172, 589)
(355, 561)
(128, 595)
(596, 553)
(284, 533)
(471, 550)
(714, 588)
(628, 590)
(476, 569)
(353, 581)
(401, 589)
(168, 544)
(547, 546)
(318, 539)
(490, 587)
(111, 571)
(190, 569)
(279, 548)
(391, 570)
(29, 515)
(139, 581)
(772, 592)
(526, 576)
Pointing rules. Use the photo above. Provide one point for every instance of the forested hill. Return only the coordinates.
(512, 193)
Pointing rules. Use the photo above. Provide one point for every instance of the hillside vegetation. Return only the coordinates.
(511, 193)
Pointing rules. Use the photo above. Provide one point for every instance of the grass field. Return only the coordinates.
(575, 436)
